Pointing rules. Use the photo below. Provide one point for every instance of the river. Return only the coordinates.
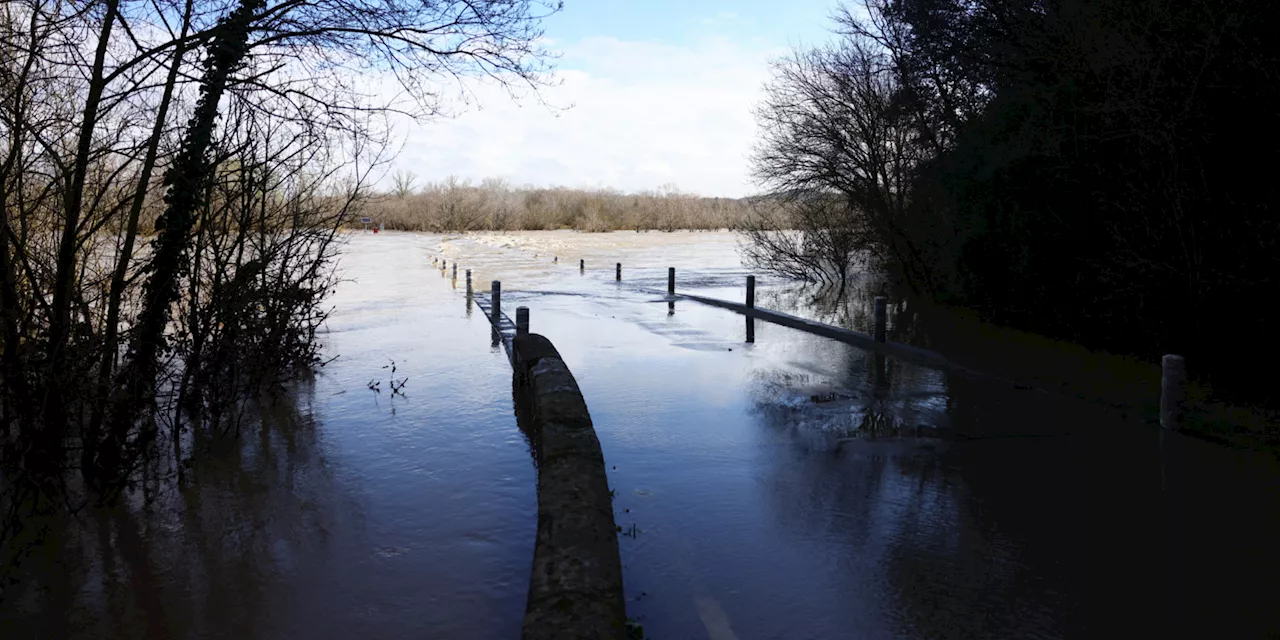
(752, 504)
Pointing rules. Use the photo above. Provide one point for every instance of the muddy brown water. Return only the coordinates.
(756, 501)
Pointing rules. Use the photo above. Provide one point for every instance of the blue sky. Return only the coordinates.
(674, 22)
(650, 94)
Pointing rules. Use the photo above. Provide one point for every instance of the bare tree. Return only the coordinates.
(460, 205)
(804, 236)
(255, 114)
(499, 203)
(403, 183)
(837, 151)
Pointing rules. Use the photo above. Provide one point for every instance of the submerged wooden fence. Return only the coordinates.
(1173, 367)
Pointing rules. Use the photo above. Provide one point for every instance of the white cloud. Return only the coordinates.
(642, 115)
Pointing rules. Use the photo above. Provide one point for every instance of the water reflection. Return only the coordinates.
(880, 374)
(907, 320)
(1033, 516)
(901, 514)
(850, 309)
(201, 560)
(522, 403)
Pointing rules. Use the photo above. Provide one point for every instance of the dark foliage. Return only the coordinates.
(1113, 190)
(1095, 171)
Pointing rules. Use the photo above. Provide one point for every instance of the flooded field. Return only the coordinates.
(790, 488)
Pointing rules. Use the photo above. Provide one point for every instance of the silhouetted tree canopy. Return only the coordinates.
(1095, 171)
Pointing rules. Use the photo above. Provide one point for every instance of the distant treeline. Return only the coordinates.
(1095, 171)
(494, 205)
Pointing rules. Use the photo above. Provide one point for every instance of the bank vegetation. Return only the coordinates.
(456, 205)
(174, 176)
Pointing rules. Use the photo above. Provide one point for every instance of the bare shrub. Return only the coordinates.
(173, 177)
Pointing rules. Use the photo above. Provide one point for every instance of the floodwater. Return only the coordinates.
(755, 498)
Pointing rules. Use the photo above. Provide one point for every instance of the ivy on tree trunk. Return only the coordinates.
(185, 183)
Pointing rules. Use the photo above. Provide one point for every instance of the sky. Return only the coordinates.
(649, 94)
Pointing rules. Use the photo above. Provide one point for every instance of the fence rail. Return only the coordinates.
(1173, 387)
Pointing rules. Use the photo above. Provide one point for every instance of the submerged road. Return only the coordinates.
(766, 507)
(781, 489)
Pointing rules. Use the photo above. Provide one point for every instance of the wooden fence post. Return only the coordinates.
(495, 300)
(1173, 390)
(522, 321)
(881, 318)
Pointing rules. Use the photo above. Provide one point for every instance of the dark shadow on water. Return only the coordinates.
(879, 374)
(200, 560)
(1129, 385)
(951, 558)
(522, 402)
(1021, 514)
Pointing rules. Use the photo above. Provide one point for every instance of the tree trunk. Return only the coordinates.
(54, 409)
(186, 181)
(111, 340)
(12, 384)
